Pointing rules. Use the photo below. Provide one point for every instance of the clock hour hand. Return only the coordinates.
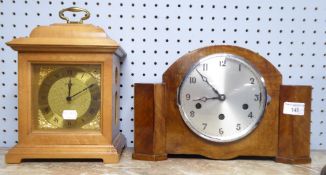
(204, 99)
(69, 87)
(221, 97)
(70, 97)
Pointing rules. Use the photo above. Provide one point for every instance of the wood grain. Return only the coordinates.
(277, 135)
(108, 153)
(261, 142)
(149, 122)
(67, 38)
(294, 130)
(144, 119)
(71, 44)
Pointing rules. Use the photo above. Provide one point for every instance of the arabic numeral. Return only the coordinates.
(192, 113)
(221, 131)
(192, 80)
(205, 125)
(205, 67)
(256, 97)
(238, 127)
(187, 96)
(223, 63)
(250, 115)
(252, 81)
(295, 109)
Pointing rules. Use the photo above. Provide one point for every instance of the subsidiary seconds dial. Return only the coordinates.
(222, 98)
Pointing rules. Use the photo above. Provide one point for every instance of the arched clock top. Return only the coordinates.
(178, 69)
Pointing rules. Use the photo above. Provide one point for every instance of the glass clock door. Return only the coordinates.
(66, 96)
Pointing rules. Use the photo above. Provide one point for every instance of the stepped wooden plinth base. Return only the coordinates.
(108, 153)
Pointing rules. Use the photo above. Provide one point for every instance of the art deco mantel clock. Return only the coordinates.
(222, 102)
(68, 93)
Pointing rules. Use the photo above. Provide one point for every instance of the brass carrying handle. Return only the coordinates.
(74, 9)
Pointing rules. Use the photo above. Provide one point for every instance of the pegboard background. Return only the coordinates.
(290, 34)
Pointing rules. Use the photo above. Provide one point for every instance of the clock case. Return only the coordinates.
(160, 130)
(73, 44)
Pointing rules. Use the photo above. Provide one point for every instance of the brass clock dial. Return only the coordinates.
(69, 96)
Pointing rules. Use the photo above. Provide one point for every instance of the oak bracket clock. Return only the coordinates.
(68, 89)
(222, 102)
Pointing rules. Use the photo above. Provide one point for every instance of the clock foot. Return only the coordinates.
(149, 157)
(300, 160)
(13, 159)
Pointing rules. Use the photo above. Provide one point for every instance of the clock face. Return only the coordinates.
(222, 98)
(69, 96)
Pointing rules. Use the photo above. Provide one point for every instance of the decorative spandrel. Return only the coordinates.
(68, 96)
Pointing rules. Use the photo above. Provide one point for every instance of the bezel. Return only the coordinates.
(250, 128)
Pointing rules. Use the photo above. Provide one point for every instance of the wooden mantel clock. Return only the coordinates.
(68, 89)
(222, 102)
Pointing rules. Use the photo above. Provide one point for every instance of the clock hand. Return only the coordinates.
(220, 96)
(204, 99)
(69, 87)
(70, 97)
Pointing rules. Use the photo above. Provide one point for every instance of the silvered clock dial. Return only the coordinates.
(222, 98)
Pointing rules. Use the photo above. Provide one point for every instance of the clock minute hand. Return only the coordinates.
(70, 97)
(220, 96)
(204, 99)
